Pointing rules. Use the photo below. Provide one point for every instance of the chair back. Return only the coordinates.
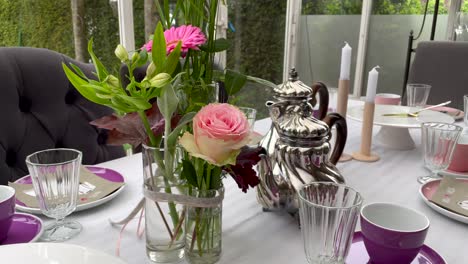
(444, 66)
(40, 109)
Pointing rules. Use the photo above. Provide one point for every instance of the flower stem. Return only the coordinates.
(155, 143)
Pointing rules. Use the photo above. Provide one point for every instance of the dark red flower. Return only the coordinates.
(129, 129)
(243, 172)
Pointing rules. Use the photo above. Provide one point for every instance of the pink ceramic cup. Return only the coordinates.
(387, 99)
(7, 209)
(392, 233)
(459, 162)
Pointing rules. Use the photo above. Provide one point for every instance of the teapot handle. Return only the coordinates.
(322, 90)
(342, 133)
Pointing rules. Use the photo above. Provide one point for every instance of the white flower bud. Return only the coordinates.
(150, 70)
(121, 53)
(160, 80)
(112, 81)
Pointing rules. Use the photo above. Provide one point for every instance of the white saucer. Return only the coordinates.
(104, 173)
(54, 253)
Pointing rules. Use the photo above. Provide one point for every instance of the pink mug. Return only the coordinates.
(459, 161)
(387, 99)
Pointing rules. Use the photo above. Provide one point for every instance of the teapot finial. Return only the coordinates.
(293, 75)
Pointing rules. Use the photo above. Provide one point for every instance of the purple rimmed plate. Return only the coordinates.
(105, 173)
(25, 228)
(358, 253)
(428, 189)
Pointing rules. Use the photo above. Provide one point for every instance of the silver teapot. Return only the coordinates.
(298, 144)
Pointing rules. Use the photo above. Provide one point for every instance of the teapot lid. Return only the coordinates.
(293, 87)
(300, 124)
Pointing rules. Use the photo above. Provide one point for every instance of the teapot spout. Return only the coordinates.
(276, 109)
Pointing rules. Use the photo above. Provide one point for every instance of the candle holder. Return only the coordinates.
(364, 154)
(342, 107)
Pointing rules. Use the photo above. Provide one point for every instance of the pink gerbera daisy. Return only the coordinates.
(190, 36)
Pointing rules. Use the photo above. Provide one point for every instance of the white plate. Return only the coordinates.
(356, 113)
(54, 253)
(428, 189)
(454, 173)
(102, 172)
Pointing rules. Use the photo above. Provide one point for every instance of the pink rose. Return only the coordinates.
(219, 131)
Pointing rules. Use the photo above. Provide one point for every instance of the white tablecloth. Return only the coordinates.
(252, 236)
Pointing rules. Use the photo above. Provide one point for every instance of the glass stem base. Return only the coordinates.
(61, 231)
(428, 178)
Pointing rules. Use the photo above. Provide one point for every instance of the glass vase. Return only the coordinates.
(163, 219)
(203, 227)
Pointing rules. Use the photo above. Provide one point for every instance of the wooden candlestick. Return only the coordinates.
(364, 153)
(342, 107)
(342, 97)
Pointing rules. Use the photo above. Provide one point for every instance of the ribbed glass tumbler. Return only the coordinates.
(438, 141)
(328, 214)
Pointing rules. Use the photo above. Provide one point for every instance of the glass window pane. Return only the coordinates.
(324, 26)
(48, 24)
(256, 32)
(390, 25)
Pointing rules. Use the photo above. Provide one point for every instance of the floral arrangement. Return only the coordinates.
(173, 105)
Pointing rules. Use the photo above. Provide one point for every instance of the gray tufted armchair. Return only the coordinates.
(40, 109)
(442, 64)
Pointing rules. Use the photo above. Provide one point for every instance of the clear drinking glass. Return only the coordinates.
(417, 94)
(251, 115)
(439, 141)
(55, 175)
(465, 100)
(328, 213)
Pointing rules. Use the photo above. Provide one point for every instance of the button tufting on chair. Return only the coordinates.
(10, 158)
(70, 97)
(33, 81)
(24, 104)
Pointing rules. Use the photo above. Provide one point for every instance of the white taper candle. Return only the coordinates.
(372, 84)
(345, 62)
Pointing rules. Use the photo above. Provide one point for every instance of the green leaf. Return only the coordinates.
(189, 173)
(161, 12)
(80, 85)
(166, 11)
(104, 96)
(153, 92)
(174, 135)
(100, 69)
(120, 105)
(78, 71)
(173, 59)
(234, 81)
(158, 50)
(168, 102)
(262, 82)
(96, 88)
(219, 45)
(137, 102)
